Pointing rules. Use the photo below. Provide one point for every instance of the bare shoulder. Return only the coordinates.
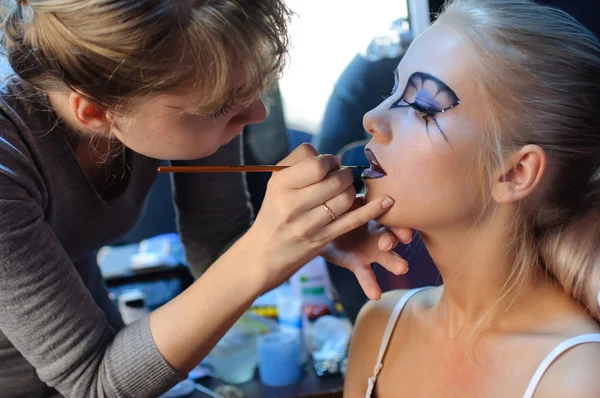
(374, 317)
(366, 341)
(573, 374)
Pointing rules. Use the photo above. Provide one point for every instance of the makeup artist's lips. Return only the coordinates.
(376, 171)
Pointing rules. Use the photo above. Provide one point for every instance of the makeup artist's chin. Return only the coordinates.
(192, 152)
(229, 137)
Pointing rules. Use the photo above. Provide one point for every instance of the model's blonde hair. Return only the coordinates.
(115, 52)
(540, 74)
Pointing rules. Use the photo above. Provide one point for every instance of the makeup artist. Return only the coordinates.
(102, 90)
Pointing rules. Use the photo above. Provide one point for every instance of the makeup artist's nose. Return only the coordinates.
(377, 125)
(253, 113)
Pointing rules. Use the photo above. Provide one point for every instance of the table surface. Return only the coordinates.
(309, 386)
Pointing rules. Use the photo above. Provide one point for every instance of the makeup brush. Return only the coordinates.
(233, 169)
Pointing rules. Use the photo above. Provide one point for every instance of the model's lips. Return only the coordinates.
(376, 171)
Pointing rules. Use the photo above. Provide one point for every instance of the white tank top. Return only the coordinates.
(533, 383)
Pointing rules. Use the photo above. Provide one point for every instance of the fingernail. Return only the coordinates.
(390, 247)
(387, 203)
(404, 267)
(403, 262)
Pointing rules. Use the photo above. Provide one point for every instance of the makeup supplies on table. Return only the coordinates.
(162, 251)
(132, 306)
(329, 337)
(289, 316)
(279, 358)
(312, 285)
(234, 358)
(159, 251)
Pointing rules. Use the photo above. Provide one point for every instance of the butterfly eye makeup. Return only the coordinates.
(428, 96)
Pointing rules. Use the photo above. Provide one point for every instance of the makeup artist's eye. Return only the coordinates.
(222, 111)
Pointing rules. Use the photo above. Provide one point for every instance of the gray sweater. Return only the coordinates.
(59, 332)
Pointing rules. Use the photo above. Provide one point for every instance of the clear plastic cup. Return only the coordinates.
(234, 358)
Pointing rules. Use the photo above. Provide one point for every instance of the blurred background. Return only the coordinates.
(326, 35)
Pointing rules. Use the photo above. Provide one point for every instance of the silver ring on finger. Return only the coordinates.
(329, 212)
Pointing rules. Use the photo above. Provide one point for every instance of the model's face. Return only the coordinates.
(426, 136)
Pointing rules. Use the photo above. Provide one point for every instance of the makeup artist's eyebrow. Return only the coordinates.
(240, 89)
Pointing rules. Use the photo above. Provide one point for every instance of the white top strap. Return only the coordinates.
(387, 334)
(555, 353)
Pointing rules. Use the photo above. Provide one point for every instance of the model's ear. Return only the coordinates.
(519, 175)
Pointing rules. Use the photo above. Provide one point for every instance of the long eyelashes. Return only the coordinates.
(428, 96)
(423, 112)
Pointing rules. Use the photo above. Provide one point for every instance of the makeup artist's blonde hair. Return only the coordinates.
(117, 51)
(540, 74)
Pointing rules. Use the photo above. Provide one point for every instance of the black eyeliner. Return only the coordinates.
(410, 98)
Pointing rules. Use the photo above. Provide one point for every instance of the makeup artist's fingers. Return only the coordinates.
(318, 216)
(393, 262)
(363, 272)
(387, 240)
(306, 172)
(355, 218)
(404, 235)
(367, 280)
(336, 190)
(300, 153)
(387, 258)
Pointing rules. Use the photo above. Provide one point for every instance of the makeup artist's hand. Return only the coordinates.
(370, 243)
(293, 226)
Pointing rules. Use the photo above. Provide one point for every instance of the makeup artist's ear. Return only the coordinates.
(89, 115)
(520, 175)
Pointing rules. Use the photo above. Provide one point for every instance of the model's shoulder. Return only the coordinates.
(574, 373)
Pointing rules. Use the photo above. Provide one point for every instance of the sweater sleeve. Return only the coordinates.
(213, 209)
(47, 312)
